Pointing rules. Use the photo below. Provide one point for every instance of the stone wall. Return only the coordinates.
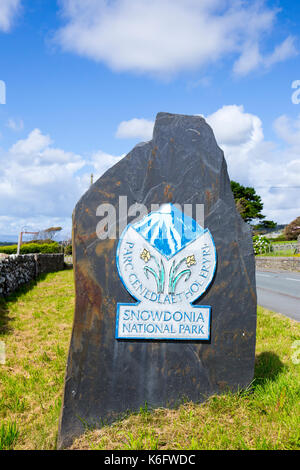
(18, 270)
(48, 263)
(278, 263)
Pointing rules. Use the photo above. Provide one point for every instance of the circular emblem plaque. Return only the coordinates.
(166, 261)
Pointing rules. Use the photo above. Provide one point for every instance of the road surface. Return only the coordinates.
(279, 292)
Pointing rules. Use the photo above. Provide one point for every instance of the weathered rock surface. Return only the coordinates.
(105, 377)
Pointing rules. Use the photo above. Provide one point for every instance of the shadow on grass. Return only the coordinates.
(68, 266)
(4, 318)
(267, 367)
(12, 298)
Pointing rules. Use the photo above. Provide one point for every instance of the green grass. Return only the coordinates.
(35, 325)
(288, 252)
(265, 416)
(8, 435)
(283, 252)
(283, 242)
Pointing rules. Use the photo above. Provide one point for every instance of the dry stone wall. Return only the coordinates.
(277, 263)
(18, 270)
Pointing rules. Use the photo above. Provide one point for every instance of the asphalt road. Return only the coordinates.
(279, 292)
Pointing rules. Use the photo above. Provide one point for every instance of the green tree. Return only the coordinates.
(248, 203)
(265, 225)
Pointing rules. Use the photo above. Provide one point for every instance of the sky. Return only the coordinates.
(82, 81)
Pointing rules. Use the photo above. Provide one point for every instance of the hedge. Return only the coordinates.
(68, 250)
(30, 248)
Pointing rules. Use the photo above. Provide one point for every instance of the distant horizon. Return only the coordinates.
(14, 238)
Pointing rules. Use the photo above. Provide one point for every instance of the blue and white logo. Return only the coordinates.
(166, 261)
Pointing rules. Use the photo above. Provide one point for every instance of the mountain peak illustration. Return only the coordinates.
(168, 230)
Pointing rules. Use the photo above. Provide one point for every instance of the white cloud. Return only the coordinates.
(232, 126)
(40, 184)
(163, 37)
(8, 11)
(15, 125)
(288, 130)
(273, 169)
(102, 161)
(135, 128)
(34, 143)
(283, 51)
(251, 58)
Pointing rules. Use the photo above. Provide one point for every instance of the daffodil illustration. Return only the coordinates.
(190, 260)
(145, 255)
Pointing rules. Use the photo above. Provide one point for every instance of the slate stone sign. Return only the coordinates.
(165, 299)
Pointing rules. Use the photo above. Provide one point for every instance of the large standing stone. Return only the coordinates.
(106, 376)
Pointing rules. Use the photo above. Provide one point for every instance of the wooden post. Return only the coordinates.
(19, 243)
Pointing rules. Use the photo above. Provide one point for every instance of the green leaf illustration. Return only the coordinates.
(173, 278)
(158, 276)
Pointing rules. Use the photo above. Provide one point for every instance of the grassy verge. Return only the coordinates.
(35, 326)
(266, 416)
(280, 253)
(284, 242)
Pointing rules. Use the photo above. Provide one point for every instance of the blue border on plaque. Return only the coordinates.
(160, 338)
(138, 302)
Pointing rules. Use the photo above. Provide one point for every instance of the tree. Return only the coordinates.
(292, 230)
(265, 225)
(50, 232)
(247, 202)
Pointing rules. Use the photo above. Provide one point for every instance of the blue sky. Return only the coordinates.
(85, 79)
